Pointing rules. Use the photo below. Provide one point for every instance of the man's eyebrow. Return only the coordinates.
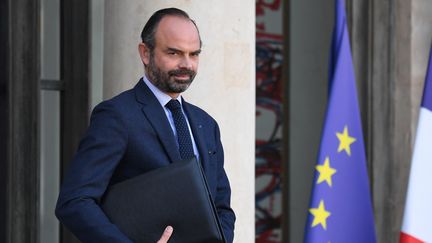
(180, 51)
(173, 49)
(196, 52)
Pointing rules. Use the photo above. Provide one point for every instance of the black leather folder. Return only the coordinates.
(176, 195)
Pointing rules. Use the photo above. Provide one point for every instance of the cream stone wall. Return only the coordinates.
(224, 86)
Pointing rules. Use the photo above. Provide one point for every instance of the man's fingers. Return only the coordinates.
(166, 235)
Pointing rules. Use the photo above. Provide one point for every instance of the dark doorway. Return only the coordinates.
(24, 122)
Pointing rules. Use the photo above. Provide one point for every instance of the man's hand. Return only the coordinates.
(166, 235)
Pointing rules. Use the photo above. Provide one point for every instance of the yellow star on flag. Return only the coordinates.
(320, 215)
(345, 141)
(326, 172)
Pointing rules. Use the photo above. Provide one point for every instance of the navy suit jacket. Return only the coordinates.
(129, 135)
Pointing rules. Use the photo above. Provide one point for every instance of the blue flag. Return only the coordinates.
(340, 208)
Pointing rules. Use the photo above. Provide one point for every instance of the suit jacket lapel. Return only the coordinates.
(157, 118)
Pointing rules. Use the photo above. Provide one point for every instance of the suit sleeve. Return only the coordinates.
(89, 174)
(223, 194)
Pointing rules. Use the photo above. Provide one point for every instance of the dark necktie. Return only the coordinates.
(183, 135)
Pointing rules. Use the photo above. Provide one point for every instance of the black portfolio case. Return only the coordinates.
(175, 195)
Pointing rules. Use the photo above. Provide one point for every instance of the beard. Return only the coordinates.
(166, 81)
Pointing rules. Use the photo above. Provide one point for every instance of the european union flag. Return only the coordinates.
(340, 208)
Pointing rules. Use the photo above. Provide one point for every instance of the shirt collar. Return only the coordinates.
(160, 96)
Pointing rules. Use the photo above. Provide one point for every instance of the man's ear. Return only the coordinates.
(144, 52)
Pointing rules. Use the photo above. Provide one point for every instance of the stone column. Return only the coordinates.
(224, 86)
(390, 42)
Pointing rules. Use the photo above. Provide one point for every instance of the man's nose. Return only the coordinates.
(186, 63)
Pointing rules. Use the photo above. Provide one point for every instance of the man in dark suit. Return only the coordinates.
(135, 132)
